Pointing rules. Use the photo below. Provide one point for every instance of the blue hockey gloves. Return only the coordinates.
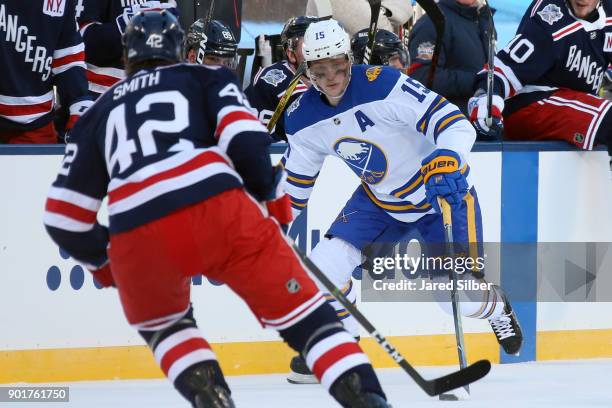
(442, 177)
(477, 109)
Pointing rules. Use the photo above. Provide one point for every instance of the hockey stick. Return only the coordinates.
(280, 108)
(406, 29)
(450, 251)
(432, 387)
(209, 15)
(433, 11)
(202, 49)
(490, 67)
(374, 13)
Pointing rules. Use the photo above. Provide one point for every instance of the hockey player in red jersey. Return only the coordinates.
(102, 22)
(548, 77)
(39, 48)
(185, 165)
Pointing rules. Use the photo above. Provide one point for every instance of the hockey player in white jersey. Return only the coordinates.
(407, 144)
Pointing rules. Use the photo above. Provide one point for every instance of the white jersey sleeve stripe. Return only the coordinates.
(231, 130)
(63, 52)
(84, 201)
(65, 223)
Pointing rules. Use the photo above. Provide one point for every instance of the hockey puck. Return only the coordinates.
(448, 397)
(459, 394)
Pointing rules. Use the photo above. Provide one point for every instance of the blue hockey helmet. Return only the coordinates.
(219, 38)
(153, 35)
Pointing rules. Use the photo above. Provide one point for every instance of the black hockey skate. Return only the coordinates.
(204, 383)
(300, 373)
(348, 392)
(506, 327)
(219, 398)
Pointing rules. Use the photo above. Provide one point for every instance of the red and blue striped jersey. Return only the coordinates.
(157, 141)
(39, 47)
(553, 49)
(101, 23)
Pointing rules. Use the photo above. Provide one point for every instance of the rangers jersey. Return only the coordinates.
(384, 126)
(39, 47)
(553, 49)
(268, 87)
(102, 23)
(157, 141)
(102, 37)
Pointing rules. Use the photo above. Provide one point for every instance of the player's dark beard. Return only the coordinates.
(591, 18)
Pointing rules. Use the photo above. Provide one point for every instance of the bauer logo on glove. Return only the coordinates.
(449, 182)
(441, 164)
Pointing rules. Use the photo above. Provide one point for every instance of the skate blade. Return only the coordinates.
(295, 378)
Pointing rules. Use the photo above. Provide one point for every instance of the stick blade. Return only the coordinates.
(463, 377)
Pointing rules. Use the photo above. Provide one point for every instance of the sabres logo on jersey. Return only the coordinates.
(373, 73)
(274, 77)
(551, 14)
(366, 159)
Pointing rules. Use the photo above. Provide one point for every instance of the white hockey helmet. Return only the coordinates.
(325, 39)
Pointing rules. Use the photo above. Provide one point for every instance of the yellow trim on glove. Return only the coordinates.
(439, 165)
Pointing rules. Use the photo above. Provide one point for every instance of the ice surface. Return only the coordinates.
(576, 384)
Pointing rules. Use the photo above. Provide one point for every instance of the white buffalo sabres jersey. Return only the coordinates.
(384, 126)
